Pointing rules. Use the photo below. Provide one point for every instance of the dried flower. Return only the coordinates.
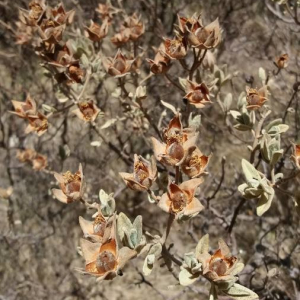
(96, 32)
(281, 61)
(296, 155)
(23, 109)
(197, 94)
(62, 57)
(33, 16)
(204, 37)
(60, 16)
(94, 229)
(75, 73)
(106, 11)
(26, 155)
(105, 260)
(71, 186)
(87, 111)
(177, 143)
(38, 161)
(175, 49)
(180, 199)
(195, 163)
(135, 26)
(221, 266)
(122, 37)
(188, 25)
(256, 98)
(161, 63)
(144, 174)
(50, 31)
(37, 123)
(118, 66)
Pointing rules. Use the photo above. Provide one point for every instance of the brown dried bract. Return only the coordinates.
(23, 109)
(118, 66)
(104, 259)
(71, 186)
(161, 63)
(180, 200)
(221, 266)
(197, 94)
(296, 155)
(177, 142)
(195, 163)
(256, 98)
(175, 49)
(37, 123)
(282, 61)
(87, 111)
(201, 37)
(38, 161)
(144, 174)
(96, 32)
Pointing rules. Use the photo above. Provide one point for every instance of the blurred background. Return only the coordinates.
(39, 236)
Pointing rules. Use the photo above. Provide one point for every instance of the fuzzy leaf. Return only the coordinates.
(240, 292)
(138, 225)
(148, 264)
(96, 143)
(235, 114)
(213, 295)
(182, 82)
(156, 249)
(169, 106)
(249, 171)
(227, 101)
(264, 203)
(186, 278)
(262, 75)
(123, 225)
(109, 123)
(108, 204)
(195, 122)
(202, 246)
(242, 127)
(48, 108)
(272, 124)
(237, 269)
(276, 156)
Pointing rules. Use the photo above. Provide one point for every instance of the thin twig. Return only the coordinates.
(174, 83)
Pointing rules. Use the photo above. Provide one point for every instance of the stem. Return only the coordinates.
(171, 216)
(252, 158)
(169, 225)
(146, 78)
(147, 116)
(153, 196)
(288, 106)
(174, 83)
(197, 63)
(122, 86)
(124, 157)
(177, 174)
(220, 182)
(235, 214)
(88, 77)
(273, 175)
(257, 135)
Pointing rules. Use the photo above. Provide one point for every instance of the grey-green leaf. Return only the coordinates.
(240, 292)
